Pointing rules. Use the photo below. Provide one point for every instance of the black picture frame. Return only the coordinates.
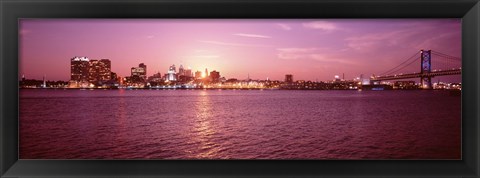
(12, 10)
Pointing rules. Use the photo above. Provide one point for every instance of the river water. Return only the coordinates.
(238, 124)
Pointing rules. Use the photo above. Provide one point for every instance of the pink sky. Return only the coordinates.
(310, 49)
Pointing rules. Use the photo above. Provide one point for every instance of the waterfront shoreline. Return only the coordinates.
(229, 89)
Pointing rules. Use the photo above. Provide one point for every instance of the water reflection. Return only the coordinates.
(203, 128)
(227, 124)
(120, 117)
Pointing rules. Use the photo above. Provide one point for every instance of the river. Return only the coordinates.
(238, 124)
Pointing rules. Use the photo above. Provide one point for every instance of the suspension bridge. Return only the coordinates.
(445, 65)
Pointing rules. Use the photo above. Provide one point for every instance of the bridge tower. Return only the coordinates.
(425, 68)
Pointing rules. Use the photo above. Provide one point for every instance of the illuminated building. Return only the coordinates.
(139, 74)
(144, 74)
(188, 72)
(198, 75)
(155, 77)
(113, 76)
(44, 85)
(181, 71)
(337, 78)
(187, 76)
(99, 71)
(405, 85)
(184, 75)
(215, 76)
(79, 69)
(171, 74)
(289, 78)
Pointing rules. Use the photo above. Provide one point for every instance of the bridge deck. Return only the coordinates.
(419, 75)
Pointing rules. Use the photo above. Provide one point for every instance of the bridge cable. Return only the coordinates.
(446, 55)
(389, 71)
(448, 61)
(405, 65)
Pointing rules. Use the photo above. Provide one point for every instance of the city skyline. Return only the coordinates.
(309, 49)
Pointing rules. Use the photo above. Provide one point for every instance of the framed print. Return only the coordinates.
(227, 88)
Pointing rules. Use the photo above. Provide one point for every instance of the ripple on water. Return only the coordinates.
(227, 124)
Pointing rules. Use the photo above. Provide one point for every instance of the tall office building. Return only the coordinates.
(181, 71)
(206, 73)
(79, 69)
(188, 72)
(289, 78)
(215, 76)
(99, 71)
(172, 73)
(144, 74)
(198, 75)
(139, 74)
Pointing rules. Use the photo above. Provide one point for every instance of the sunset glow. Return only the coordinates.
(290, 89)
(310, 49)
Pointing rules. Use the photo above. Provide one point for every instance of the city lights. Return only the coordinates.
(92, 73)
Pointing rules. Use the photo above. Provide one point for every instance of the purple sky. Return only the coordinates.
(310, 49)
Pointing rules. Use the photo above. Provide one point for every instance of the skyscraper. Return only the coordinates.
(79, 69)
(289, 78)
(139, 74)
(181, 71)
(188, 72)
(99, 71)
(215, 76)
(198, 75)
(144, 74)
(206, 73)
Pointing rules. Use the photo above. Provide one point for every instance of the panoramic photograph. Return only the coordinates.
(240, 89)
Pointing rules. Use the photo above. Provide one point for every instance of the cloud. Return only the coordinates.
(205, 56)
(325, 55)
(284, 26)
(251, 35)
(234, 44)
(150, 36)
(440, 41)
(321, 25)
(378, 41)
(412, 36)
(299, 53)
(299, 50)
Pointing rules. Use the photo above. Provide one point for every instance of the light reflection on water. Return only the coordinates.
(203, 127)
(228, 124)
